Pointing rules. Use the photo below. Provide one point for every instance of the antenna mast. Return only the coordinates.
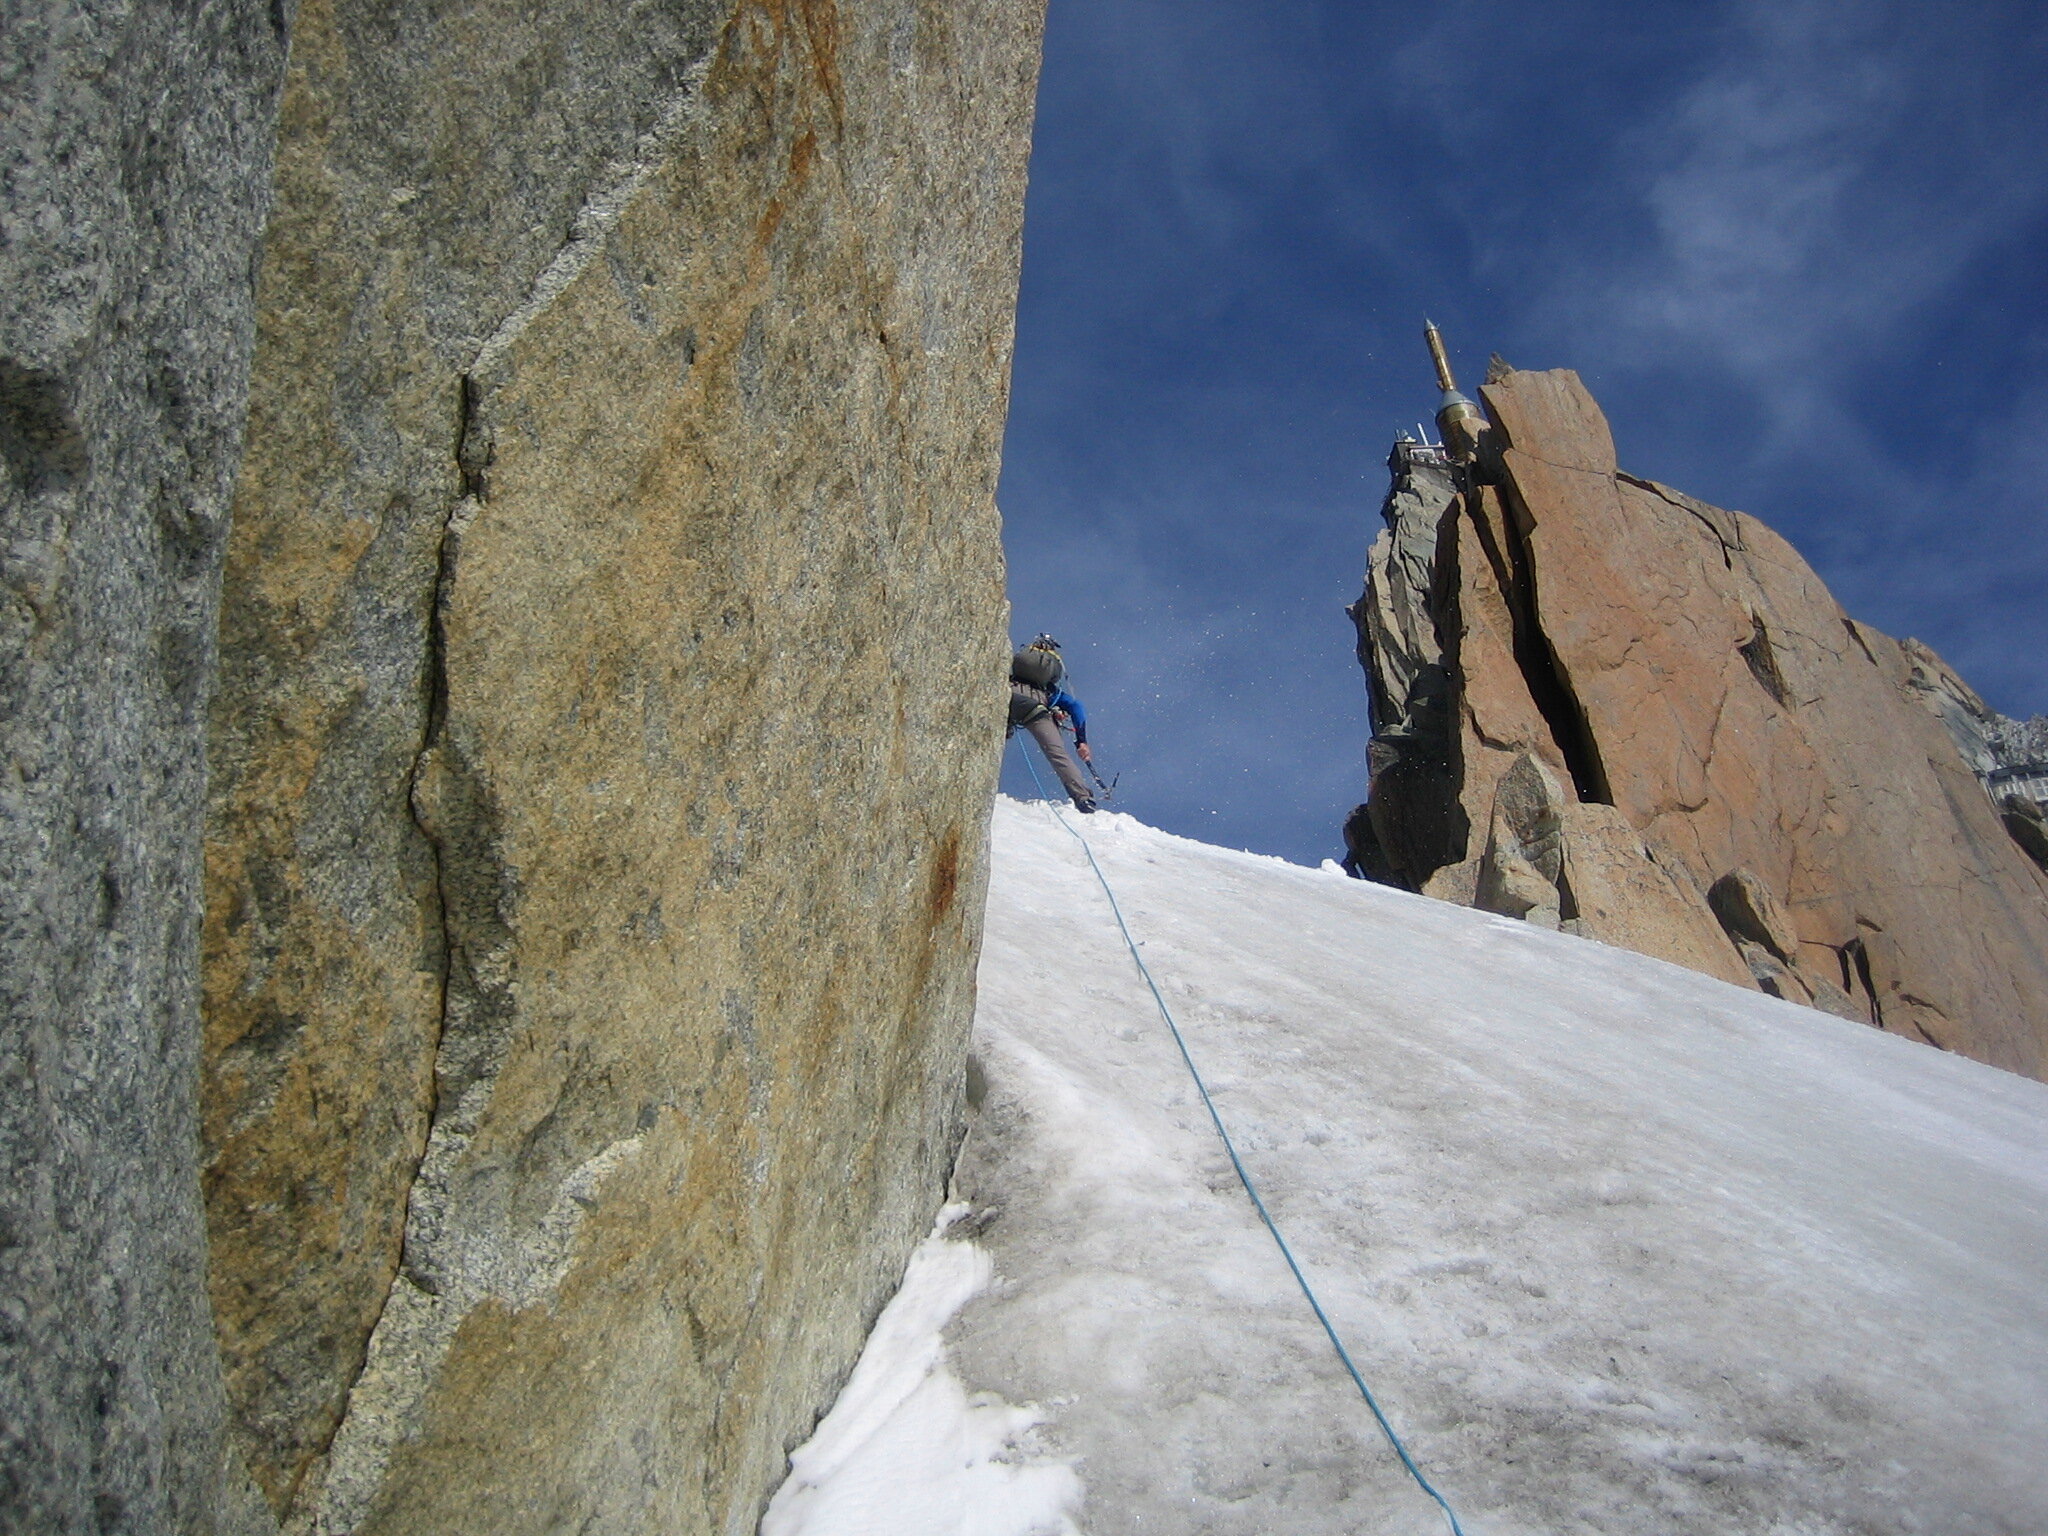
(1458, 421)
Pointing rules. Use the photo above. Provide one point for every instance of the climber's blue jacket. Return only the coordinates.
(1060, 699)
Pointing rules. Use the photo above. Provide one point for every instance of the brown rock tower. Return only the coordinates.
(1605, 706)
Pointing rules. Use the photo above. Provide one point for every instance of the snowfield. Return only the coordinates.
(1620, 1248)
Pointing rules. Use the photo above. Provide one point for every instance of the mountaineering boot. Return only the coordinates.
(1085, 807)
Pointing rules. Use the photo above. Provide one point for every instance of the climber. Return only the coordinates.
(1041, 705)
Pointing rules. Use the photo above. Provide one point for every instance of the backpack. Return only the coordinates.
(1035, 668)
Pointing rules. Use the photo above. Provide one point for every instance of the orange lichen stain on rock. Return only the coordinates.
(945, 885)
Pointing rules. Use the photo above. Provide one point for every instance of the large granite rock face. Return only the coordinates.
(430, 162)
(1760, 787)
(611, 662)
(134, 170)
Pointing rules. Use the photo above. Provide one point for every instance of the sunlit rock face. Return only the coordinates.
(611, 664)
(1752, 783)
(2010, 757)
(134, 171)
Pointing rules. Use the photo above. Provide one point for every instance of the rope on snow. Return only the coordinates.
(1243, 1175)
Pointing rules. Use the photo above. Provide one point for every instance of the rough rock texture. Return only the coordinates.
(134, 170)
(1716, 725)
(2014, 742)
(2024, 819)
(1990, 743)
(2009, 757)
(429, 164)
(1622, 893)
(1396, 643)
(1408, 687)
(1519, 873)
(602, 758)
(1750, 914)
(1975, 727)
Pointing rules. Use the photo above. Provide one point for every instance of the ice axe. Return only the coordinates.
(1108, 788)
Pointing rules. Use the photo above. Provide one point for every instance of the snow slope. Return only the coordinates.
(1620, 1248)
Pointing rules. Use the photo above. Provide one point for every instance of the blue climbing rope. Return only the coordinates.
(1243, 1175)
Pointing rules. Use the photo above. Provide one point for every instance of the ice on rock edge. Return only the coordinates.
(906, 1451)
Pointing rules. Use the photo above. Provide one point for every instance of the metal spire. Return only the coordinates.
(1458, 421)
(1435, 338)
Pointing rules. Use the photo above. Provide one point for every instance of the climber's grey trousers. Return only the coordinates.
(1046, 732)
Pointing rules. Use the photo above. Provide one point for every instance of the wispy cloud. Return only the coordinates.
(1818, 188)
(1815, 210)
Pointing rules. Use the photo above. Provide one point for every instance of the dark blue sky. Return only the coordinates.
(1799, 251)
